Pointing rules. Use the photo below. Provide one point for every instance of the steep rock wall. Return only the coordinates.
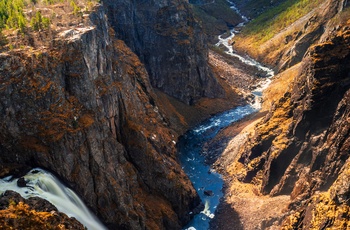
(296, 130)
(301, 146)
(168, 40)
(86, 111)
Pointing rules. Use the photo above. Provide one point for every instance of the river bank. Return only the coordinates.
(200, 146)
(242, 206)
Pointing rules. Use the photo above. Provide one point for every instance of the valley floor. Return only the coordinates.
(242, 206)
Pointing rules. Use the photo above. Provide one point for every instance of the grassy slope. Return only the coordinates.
(275, 31)
(276, 19)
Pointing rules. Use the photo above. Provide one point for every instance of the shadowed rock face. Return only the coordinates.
(168, 40)
(85, 110)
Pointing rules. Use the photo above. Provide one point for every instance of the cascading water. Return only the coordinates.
(43, 184)
(207, 182)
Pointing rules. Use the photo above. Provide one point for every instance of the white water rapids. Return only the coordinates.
(43, 184)
(264, 82)
(225, 42)
(190, 146)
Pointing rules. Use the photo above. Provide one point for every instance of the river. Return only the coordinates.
(205, 180)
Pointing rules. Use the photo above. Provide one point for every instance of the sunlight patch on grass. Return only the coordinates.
(276, 19)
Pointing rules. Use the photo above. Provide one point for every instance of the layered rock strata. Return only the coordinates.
(303, 132)
(288, 46)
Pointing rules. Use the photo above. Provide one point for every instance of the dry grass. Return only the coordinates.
(277, 19)
(21, 216)
(267, 40)
(281, 84)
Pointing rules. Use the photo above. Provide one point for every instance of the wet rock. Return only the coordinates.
(21, 182)
(208, 193)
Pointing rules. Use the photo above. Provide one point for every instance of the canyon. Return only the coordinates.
(101, 101)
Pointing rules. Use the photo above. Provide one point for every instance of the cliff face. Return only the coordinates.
(168, 40)
(301, 147)
(300, 136)
(85, 110)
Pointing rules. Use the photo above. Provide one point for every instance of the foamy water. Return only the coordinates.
(46, 186)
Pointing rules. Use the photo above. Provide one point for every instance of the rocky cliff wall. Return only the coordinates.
(168, 40)
(296, 130)
(301, 147)
(85, 110)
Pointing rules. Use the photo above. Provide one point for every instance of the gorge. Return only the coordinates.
(101, 96)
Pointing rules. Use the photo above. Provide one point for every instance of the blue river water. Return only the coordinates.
(207, 182)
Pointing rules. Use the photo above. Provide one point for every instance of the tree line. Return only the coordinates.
(13, 13)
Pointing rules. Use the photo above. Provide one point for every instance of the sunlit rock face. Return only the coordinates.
(301, 146)
(85, 110)
(169, 41)
(300, 130)
(32, 213)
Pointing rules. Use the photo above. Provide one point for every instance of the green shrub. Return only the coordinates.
(11, 14)
(39, 22)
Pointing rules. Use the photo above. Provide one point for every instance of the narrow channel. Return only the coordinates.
(205, 180)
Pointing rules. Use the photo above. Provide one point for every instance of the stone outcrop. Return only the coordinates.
(32, 213)
(300, 148)
(85, 110)
(301, 135)
(168, 40)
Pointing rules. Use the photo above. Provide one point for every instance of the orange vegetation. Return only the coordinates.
(21, 216)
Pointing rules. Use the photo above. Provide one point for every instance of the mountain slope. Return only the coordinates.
(300, 147)
(281, 36)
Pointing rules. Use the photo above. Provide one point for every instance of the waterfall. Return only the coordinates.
(43, 184)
